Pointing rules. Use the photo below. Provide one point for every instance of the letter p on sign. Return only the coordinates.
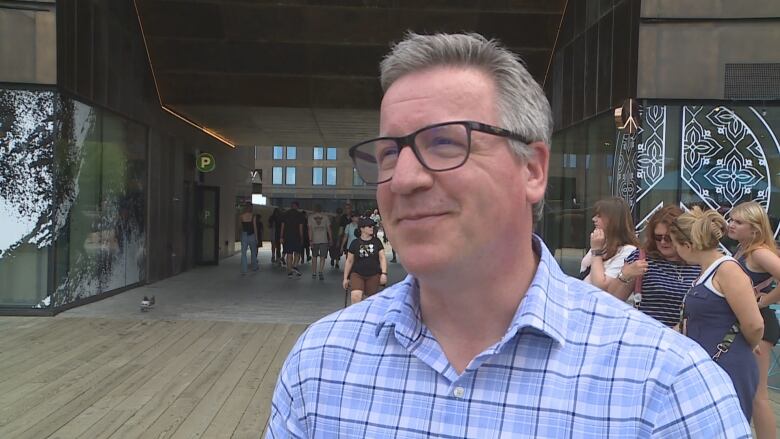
(205, 162)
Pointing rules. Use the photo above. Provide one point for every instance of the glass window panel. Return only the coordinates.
(278, 152)
(331, 177)
(292, 152)
(332, 154)
(290, 177)
(316, 176)
(86, 242)
(26, 192)
(318, 153)
(277, 175)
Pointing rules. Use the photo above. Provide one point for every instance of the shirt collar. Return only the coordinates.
(543, 308)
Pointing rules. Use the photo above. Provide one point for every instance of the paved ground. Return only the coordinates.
(221, 293)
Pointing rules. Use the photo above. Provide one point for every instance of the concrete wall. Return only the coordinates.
(28, 42)
(685, 45)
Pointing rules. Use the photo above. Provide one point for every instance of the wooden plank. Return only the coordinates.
(51, 368)
(39, 350)
(228, 417)
(31, 329)
(18, 324)
(149, 407)
(93, 379)
(256, 416)
(104, 415)
(204, 412)
(170, 420)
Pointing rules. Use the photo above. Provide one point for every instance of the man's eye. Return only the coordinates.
(383, 153)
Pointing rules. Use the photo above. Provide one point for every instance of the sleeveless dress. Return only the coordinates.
(709, 318)
(771, 325)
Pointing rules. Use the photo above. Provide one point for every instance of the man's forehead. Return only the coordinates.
(435, 95)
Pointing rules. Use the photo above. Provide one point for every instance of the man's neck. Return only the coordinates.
(470, 308)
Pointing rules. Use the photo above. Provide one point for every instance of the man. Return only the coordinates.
(275, 222)
(344, 220)
(351, 232)
(464, 347)
(335, 233)
(320, 238)
(292, 239)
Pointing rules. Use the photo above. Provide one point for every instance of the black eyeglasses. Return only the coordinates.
(662, 238)
(439, 147)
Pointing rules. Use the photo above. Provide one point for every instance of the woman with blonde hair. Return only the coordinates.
(656, 273)
(719, 311)
(749, 225)
(610, 243)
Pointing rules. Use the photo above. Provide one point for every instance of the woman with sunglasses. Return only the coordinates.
(656, 273)
(749, 225)
(720, 311)
(610, 243)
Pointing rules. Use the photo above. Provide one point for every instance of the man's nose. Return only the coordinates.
(409, 174)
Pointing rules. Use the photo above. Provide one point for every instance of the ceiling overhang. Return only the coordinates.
(268, 72)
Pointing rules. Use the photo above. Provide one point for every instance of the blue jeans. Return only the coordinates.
(250, 241)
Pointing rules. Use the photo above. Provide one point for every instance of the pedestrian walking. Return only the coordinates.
(366, 266)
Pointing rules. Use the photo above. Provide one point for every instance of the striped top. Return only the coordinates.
(574, 363)
(664, 286)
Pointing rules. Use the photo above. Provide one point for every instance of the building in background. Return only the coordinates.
(128, 127)
(312, 175)
(706, 75)
(99, 189)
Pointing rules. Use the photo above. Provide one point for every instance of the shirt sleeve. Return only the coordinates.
(353, 248)
(615, 263)
(378, 243)
(701, 402)
(632, 257)
(287, 419)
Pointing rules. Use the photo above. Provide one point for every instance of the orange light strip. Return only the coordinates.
(555, 44)
(202, 128)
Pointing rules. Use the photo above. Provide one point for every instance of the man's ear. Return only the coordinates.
(537, 166)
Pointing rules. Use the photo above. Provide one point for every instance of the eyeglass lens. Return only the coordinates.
(439, 148)
(664, 238)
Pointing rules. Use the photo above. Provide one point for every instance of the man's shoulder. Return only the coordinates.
(605, 324)
(354, 327)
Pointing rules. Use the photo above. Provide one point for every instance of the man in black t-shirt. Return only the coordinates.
(292, 239)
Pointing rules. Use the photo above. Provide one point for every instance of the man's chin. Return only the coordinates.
(421, 261)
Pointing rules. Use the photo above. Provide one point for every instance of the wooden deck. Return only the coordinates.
(101, 378)
(98, 378)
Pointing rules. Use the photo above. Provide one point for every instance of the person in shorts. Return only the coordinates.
(366, 266)
(319, 240)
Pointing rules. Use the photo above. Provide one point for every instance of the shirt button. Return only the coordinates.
(459, 392)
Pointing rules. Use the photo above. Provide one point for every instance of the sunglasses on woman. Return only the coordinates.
(662, 238)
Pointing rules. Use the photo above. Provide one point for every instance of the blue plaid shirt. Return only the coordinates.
(575, 362)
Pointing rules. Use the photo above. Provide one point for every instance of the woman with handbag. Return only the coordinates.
(719, 311)
(655, 273)
(610, 243)
(749, 225)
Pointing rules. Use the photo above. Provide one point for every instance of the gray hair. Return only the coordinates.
(522, 106)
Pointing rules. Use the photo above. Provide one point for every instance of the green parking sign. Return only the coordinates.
(205, 162)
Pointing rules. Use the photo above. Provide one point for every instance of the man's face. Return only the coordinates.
(348, 209)
(440, 218)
